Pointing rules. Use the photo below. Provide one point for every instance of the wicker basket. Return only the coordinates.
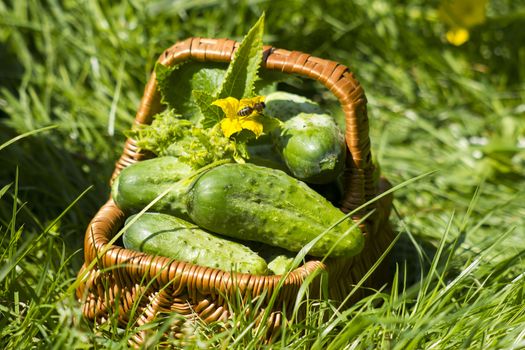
(140, 286)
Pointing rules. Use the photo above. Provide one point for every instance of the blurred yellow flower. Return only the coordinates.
(457, 36)
(234, 122)
(460, 16)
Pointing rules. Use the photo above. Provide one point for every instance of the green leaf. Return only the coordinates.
(242, 72)
(170, 135)
(211, 114)
(167, 127)
(177, 83)
(163, 74)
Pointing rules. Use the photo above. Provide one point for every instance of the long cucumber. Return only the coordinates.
(169, 236)
(253, 203)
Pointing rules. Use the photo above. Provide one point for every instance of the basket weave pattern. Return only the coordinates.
(142, 286)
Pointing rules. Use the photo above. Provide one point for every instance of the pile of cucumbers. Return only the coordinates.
(245, 217)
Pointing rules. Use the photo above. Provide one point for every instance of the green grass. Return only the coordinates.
(80, 68)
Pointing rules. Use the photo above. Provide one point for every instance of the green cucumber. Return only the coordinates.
(309, 141)
(284, 105)
(169, 236)
(313, 147)
(280, 264)
(243, 201)
(262, 152)
(279, 260)
(254, 203)
(140, 183)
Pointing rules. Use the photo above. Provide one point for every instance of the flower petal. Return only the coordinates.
(229, 105)
(230, 126)
(250, 101)
(253, 125)
(233, 123)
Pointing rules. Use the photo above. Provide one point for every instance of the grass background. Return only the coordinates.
(81, 66)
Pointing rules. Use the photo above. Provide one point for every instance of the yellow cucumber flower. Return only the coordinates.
(457, 36)
(249, 118)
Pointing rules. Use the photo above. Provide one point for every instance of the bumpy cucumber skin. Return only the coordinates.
(310, 142)
(169, 236)
(280, 264)
(279, 260)
(249, 202)
(140, 183)
(313, 147)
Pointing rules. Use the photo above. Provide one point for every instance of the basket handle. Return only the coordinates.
(358, 176)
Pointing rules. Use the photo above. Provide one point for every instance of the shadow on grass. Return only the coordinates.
(405, 255)
(49, 179)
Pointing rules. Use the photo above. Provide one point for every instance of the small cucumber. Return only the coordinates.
(284, 105)
(169, 236)
(140, 183)
(279, 260)
(280, 264)
(262, 152)
(254, 203)
(313, 147)
(309, 141)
